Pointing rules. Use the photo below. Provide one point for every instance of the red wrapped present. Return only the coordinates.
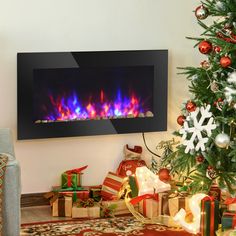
(83, 195)
(111, 186)
(231, 204)
(209, 216)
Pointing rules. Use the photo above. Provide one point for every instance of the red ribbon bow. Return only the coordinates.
(208, 198)
(76, 171)
(143, 197)
(230, 200)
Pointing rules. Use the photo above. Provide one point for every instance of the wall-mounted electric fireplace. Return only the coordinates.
(89, 93)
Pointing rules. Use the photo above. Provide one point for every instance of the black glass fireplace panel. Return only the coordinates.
(93, 93)
(34, 89)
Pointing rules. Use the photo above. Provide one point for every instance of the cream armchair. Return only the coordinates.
(11, 187)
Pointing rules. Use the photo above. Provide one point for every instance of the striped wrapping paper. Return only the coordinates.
(111, 186)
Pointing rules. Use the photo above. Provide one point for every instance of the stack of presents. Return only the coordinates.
(149, 196)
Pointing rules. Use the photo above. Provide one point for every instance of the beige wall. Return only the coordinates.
(56, 25)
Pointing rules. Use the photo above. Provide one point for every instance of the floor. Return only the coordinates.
(38, 214)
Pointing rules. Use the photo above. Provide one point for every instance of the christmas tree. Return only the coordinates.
(154, 165)
(207, 153)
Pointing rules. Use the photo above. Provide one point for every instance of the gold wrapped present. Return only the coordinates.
(119, 208)
(85, 212)
(163, 203)
(176, 203)
(149, 208)
(62, 206)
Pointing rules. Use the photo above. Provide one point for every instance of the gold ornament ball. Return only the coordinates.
(222, 140)
(201, 12)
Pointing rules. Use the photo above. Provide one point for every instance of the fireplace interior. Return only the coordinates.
(76, 94)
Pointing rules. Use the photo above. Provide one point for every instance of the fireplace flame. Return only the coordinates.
(64, 108)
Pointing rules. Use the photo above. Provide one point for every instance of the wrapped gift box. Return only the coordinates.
(62, 206)
(232, 207)
(231, 204)
(133, 186)
(95, 193)
(120, 206)
(111, 186)
(149, 208)
(209, 216)
(176, 203)
(70, 180)
(75, 194)
(82, 195)
(164, 203)
(228, 220)
(85, 212)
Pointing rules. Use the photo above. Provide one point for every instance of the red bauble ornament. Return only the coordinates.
(190, 106)
(181, 119)
(200, 159)
(205, 47)
(225, 61)
(210, 167)
(201, 12)
(164, 175)
(217, 49)
(219, 100)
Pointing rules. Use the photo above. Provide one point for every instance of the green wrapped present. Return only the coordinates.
(72, 178)
(228, 220)
(133, 186)
(210, 213)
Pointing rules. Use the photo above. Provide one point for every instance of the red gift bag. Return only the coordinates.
(128, 167)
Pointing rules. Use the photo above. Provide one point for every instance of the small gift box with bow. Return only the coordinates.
(231, 204)
(95, 193)
(119, 208)
(178, 202)
(209, 216)
(72, 178)
(62, 206)
(148, 205)
(228, 220)
(86, 209)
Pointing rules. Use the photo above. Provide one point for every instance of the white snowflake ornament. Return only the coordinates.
(197, 129)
